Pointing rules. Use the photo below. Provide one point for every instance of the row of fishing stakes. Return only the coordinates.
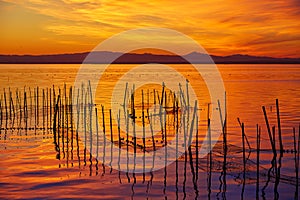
(85, 110)
(275, 163)
(131, 142)
(51, 110)
(28, 109)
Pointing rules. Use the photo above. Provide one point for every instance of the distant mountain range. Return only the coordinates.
(130, 58)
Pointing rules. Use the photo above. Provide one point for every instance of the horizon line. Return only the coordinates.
(149, 53)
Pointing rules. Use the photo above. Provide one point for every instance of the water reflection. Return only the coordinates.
(183, 179)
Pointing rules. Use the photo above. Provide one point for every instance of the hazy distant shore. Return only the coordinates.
(133, 58)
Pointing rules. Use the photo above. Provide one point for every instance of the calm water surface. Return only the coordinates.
(29, 167)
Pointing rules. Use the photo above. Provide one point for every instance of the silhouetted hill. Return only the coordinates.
(129, 58)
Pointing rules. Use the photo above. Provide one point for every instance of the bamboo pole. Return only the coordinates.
(67, 120)
(26, 110)
(54, 124)
(154, 96)
(62, 119)
(269, 130)
(35, 110)
(47, 109)
(143, 124)
(144, 136)
(244, 161)
(127, 146)
(258, 132)
(97, 134)
(78, 109)
(43, 109)
(10, 108)
(297, 165)
(37, 104)
(111, 139)
(296, 162)
(279, 127)
(6, 112)
(71, 118)
(166, 140)
(104, 137)
(1, 114)
(243, 143)
(84, 125)
(31, 107)
(17, 105)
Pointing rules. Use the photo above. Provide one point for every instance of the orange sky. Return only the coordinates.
(264, 27)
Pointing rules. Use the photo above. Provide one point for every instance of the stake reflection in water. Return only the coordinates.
(59, 117)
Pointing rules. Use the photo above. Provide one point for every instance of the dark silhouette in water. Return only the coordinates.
(222, 160)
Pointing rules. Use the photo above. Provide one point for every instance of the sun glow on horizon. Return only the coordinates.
(261, 28)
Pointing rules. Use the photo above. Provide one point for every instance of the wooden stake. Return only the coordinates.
(269, 130)
(279, 127)
(257, 159)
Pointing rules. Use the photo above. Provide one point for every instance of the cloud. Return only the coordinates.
(236, 25)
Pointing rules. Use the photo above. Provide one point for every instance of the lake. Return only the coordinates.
(32, 166)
